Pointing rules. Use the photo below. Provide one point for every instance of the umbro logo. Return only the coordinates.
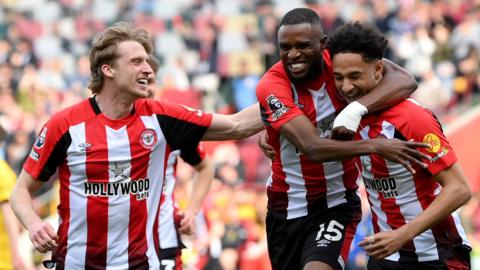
(323, 243)
(84, 146)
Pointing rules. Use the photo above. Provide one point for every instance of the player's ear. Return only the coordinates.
(323, 41)
(107, 70)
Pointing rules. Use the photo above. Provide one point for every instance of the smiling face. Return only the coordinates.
(355, 77)
(301, 51)
(131, 71)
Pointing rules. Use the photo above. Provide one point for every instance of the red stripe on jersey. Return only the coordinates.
(178, 260)
(351, 172)
(349, 235)
(137, 239)
(446, 233)
(97, 206)
(64, 212)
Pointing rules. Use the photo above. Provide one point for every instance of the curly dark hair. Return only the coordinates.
(354, 37)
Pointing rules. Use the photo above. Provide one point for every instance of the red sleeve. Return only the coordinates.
(276, 99)
(49, 150)
(421, 125)
(187, 114)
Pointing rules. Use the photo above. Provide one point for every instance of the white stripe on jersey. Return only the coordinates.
(166, 226)
(169, 184)
(323, 107)
(297, 203)
(333, 172)
(167, 233)
(155, 171)
(118, 145)
(461, 231)
(76, 160)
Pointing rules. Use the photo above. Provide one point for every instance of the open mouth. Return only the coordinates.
(297, 67)
(143, 81)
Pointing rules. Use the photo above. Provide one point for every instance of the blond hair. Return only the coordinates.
(104, 49)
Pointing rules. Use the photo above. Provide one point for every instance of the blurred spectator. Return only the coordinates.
(244, 86)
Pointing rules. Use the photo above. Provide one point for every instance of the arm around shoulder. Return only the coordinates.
(396, 85)
(302, 134)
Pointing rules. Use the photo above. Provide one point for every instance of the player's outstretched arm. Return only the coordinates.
(396, 85)
(42, 234)
(303, 135)
(455, 193)
(236, 126)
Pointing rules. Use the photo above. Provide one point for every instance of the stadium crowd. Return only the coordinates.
(212, 55)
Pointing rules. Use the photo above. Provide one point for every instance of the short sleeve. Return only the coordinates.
(423, 126)
(275, 97)
(49, 150)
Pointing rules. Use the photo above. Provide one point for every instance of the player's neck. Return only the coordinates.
(112, 106)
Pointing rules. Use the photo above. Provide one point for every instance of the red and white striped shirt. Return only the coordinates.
(396, 196)
(111, 175)
(296, 183)
(168, 219)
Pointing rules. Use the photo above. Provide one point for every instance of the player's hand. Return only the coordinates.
(187, 223)
(383, 244)
(347, 121)
(43, 236)
(402, 152)
(267, 150)
(342, 133)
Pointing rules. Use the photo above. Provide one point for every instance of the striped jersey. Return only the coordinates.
(168, 219)
(396, 196)
(296, 183)
(111, 175)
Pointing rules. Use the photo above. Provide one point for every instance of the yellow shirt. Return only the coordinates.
(7, 180)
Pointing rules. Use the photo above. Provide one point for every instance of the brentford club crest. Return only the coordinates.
(148, 138)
